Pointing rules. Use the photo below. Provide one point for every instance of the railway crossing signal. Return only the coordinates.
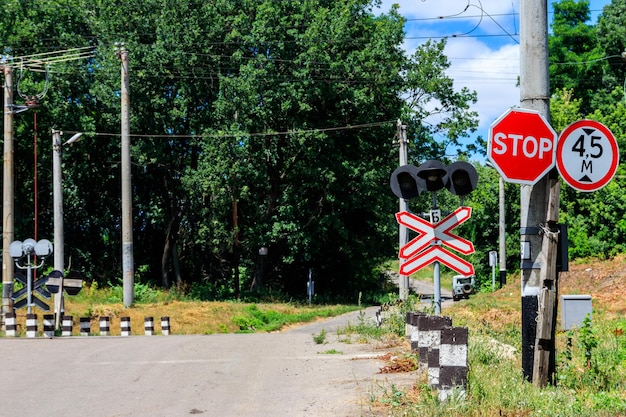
(433, 237)
(408, 181)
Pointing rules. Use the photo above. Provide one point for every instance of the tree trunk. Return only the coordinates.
(170, 250)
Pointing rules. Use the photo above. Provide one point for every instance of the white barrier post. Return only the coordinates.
(85, 326)
(148, 325)
(125, 326)
(165, 325)
(105, 328)
(10, 325)
(31, 325)
(67, 325)
(48, 325)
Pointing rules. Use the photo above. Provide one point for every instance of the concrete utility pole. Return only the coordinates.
(127, 214)
(536, 266)
(57, 194)
(403, 283)
(57, 198)
(8, 231)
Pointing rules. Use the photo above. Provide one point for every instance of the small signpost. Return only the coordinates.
(24, 254)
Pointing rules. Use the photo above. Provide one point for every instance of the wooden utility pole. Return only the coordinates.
(8, 200)
(546, 320)
(534, 200)
(128, 268)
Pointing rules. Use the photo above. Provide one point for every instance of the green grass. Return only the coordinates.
(187, 315)
(590, 378)
(320, 338)
(332, 352)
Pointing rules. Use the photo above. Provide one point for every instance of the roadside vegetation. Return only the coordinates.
(590, 377)
(188, 315)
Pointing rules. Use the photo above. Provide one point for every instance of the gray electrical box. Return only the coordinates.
(574, 309)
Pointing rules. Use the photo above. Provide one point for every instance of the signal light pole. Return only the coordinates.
(408, 181)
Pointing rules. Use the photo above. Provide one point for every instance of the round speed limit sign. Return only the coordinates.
(587, 155)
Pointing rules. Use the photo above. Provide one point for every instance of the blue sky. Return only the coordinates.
(482, 45)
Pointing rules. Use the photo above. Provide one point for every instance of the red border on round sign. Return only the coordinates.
(580, 186)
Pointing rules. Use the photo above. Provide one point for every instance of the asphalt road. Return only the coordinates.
(260, 375)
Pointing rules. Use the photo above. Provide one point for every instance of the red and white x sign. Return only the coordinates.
(437, 253)
(433, 235)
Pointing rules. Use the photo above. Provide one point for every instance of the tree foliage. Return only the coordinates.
(587, 85)
(255, 124)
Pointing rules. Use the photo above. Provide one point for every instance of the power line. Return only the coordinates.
(243, 134)
(587, 62)
(40, 61)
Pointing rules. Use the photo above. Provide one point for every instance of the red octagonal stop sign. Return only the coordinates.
(522, 146)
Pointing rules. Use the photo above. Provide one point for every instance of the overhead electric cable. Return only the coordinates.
(243, 134)
(588, 62)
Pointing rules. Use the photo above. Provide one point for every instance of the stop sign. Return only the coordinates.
(522, 146)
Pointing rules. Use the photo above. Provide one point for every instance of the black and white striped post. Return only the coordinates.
(165, 325)
(31, 325)
(453, 362)
(125, 326)
(148, 326)
(105, 326)
(411, 325)
(429, 336)
(67, 325)
(85, 326)
(10, 324)
(48, 325)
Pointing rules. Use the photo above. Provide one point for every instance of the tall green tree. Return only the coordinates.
(254, 124)
(574, 53)
(611, 39)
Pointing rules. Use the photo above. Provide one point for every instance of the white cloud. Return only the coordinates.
(436, 8)
(492, 73)
(485, 61)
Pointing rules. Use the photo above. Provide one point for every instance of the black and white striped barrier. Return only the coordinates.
(10, 325)
(443, 350)
(67, 325)
(85, 326)
(148, 326)
(165, 326)
(453, 362)
(411, 327)
(105, 326)
(125, 326)
(48, 325)
(428, 336)
(31, 325)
